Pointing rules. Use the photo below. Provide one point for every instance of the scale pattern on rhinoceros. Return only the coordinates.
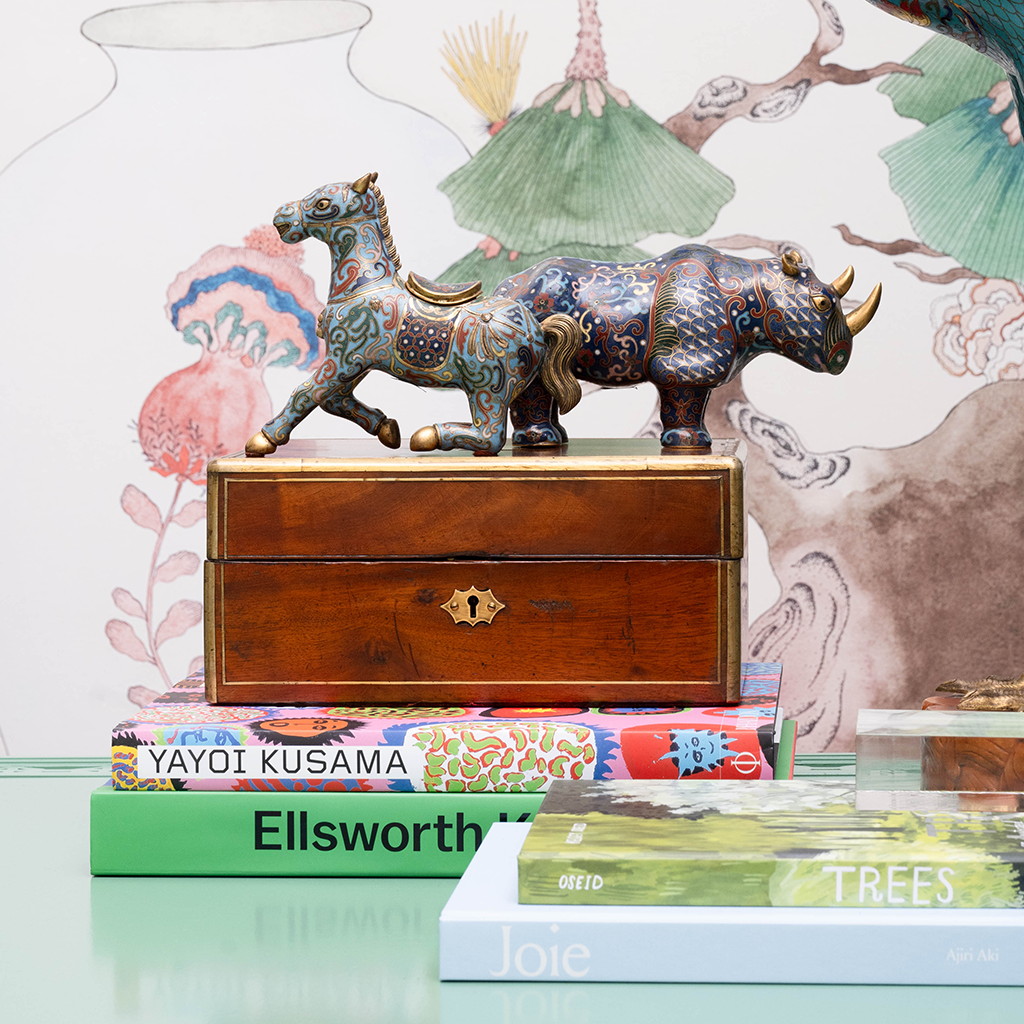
(687, 321)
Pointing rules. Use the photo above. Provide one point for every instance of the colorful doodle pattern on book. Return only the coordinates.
(484, 749)
(504, 757)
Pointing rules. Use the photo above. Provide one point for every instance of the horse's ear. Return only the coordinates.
(360, 185)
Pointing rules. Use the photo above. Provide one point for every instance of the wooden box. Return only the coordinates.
(611, 570)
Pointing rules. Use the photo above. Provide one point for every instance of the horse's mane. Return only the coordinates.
(389, 242)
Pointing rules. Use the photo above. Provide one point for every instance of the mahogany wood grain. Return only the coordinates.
(618, 563)
(980, 763)
(314, 516)
(614, 631)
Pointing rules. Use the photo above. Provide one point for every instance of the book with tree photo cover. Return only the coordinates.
(774, 843)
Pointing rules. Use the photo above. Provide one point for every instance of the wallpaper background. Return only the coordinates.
(146, 151)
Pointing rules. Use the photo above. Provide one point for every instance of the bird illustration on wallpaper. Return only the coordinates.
(245, 309)
(994, 28)
(961, 178)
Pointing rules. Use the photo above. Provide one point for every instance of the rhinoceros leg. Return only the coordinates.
(535, 418)
(682, 416)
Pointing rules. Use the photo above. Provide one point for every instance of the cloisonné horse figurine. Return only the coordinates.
(687, 321)
(427, 334)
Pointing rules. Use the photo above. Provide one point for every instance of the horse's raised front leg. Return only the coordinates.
(304, 399)
(535, 418)
(277, 431)
(344, 404)
(484, 436)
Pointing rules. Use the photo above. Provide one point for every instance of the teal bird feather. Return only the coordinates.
(992, 27)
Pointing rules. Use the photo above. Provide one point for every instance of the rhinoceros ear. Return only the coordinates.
(791, 262)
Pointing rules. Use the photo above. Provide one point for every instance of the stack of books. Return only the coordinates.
(717, 881)
(204, 789)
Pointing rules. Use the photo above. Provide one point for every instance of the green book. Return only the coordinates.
(275, 833)
(385, 834)
(784, 844)
(785, 756)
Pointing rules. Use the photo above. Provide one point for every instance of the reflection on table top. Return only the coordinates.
(80, 949)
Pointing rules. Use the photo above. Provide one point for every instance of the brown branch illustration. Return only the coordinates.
(776, 246)
(898, 248)
(904, 245)
(956, 274)
(728, 97)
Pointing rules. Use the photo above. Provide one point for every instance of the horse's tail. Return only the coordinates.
(563, 335)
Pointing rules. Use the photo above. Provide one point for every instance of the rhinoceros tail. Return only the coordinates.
(563, 335)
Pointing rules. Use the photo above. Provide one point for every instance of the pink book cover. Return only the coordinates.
(179, 741)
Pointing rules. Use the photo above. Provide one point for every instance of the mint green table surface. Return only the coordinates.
(78, 949)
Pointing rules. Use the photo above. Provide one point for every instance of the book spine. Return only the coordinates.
(793, 947)
(294, 834)
(785, 756)
(632, 747)
(768, 881)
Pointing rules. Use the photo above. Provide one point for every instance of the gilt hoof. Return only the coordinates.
(425, 439)
(259, 445)
(388, 433)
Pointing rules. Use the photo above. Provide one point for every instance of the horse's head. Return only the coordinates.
(314, 215)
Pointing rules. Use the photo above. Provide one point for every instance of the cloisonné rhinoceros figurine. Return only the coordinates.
(686, 321)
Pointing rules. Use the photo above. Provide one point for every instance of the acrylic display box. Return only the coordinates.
(940, 760)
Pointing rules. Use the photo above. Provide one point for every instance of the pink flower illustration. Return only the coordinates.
(981, 330)
(245, 309)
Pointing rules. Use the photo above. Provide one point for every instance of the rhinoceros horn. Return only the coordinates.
(843, 281)
(859, 318)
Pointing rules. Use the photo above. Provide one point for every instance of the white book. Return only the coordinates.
(486, 935)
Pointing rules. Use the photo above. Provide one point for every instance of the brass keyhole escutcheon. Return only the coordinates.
(472, 606)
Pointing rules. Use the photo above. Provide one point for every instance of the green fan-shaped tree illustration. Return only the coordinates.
(549, 177)
(960, 178)
(951, 74)
(963, 187)
(583, 172)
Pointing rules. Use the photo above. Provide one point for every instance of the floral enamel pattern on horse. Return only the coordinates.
(687, 321)
(427, 334)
